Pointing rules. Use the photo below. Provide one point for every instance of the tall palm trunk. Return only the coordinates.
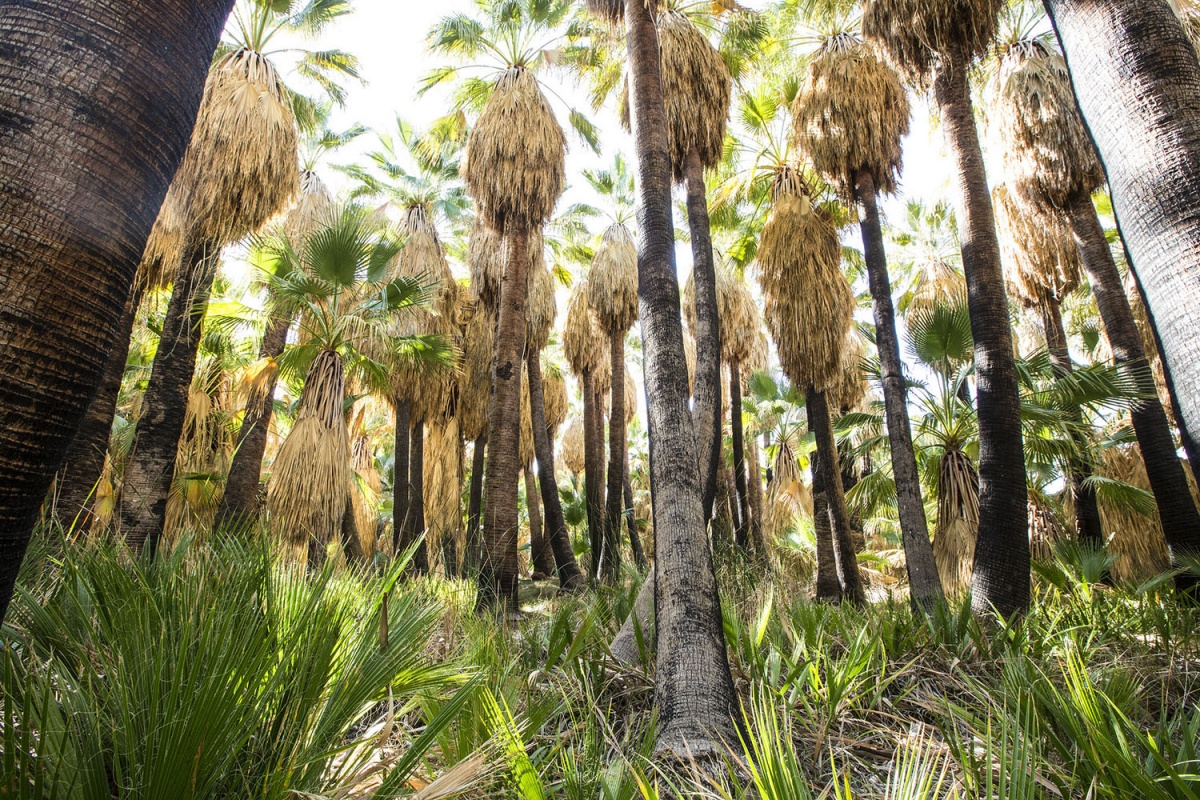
(821, 424)
(1087, 510)
(829, 587)
(475, 505)
(610, 560)
(240, 501)
(693, 690)
(924, 584)
(755, 488)
(100, 99)
(706, 393)
(85, 459)
(739, 455)
(569, 576)
(1176, 508)
(498, 574)
(539, 547)
(151, 467)
(1002, 574)
(635, 541)
(400, 478)
(591, 473)
(416, 498)
(1141, 103)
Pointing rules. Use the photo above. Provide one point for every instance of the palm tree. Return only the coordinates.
(66, 282)
(849, 119)
(584, 349)
(1052, 166)
(940, 40)
(809, 308)
(693, 688)
(241, 169)
(612, 294)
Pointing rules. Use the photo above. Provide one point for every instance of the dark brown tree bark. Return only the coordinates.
(592, 469)
(821, 424)
(85, 459)
(401, 490)
(416, 498)
(739, 456)
(240, 503)
(829, 587)
(1176, 508)
(151, 466)
(635, 540)
(501, 525)
(1137, 82)
(474, 553)
(693, 689)
(755, 488)
(541, 559)
(351, 544)
(610, 559)
(100, 98)
(1088, 527)
(570, 578)
(706, 392)
(924, 584)
(1002, 574)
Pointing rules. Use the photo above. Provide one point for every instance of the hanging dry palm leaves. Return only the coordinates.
(957, 521)
(163, 254)
(310, 480)
(850, 389)
(365, 489)
(1039, 251)
(443, 486)
(571, 449)
(851, 115)
(1045, 528)
(485, 259)
(1134, 540)
(916, 32)
(583, 344)
(476, 379)
(739, 315)
(554, 390)
(612, 282)
(542, 307)
(696, 91)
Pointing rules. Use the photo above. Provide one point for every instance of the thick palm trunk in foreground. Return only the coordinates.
(151, 468)
(1137, 82)
(85, 459)
(498, 572)
(693, 690)
(79, 193)
(706, 394)
(821, 425)
(570, 578)
(923, 580)
(1176, 508)
(610, 560)
(242, 488)
(828, 586)
(1002, 574)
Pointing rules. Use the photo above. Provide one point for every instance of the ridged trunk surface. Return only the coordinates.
(755, 487)
(501, 524)
(539, 551)
(821, 424)
(1002, 573)
(570, 578)
(610, 560)
(693, 690)
(84, 463)
(416, 498)
(401, 490)
(635, 540)
(924, 584)
(829, 587)
(592, 471)
(706, 391)
(1168, 481)
(151, 465)
(474, 554)
(742, 534)
(240, 503)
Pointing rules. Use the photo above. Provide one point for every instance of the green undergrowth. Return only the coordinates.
(216, 672)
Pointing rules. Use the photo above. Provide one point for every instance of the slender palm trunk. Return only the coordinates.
(821, 424)
(541, 559)
(351, 543)
(85, 459)
(400, 478)
(755, 487)
(924, 583)
(416, 498)
(829, 587)
(569, 576)
(1137, 82)
(1176, 509)
(1002, 573)
(242, 489)
(610, 561)
(693, 690)
(151, 469)
(100, 100)
(635, 540)
(591, 473)
(706, 393)
(475, 505)
(739, 455)
(1088, 527)
(501, 526)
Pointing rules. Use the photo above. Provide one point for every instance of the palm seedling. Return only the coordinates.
(1051, 165)
(940, 41)
(850, 118)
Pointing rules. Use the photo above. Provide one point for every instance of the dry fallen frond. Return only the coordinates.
(1040, 256)
(696, 91)
(917, 33)
(516, 154)
(612, 284)
(852, 115)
